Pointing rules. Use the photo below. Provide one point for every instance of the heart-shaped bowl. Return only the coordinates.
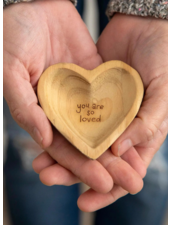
(91, 108)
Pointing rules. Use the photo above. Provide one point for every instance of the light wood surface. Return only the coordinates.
(91, 108)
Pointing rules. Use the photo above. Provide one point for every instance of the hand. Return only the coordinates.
(37, 35)
(142, 43)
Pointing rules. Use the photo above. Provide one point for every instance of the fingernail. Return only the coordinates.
(37, 136)
(124, 146)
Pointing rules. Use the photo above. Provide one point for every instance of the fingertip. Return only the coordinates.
(137, 186)
(34, 166)
(91, 200)
(134, 160)
(47, 139)
(121, 147)
(85, 203)
(45, 179)
(115, 150)
(107, 183)
(57, 175)
(143, 171)
(82, 207)
(42, 130)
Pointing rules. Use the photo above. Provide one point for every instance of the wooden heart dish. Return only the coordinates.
(91, 108)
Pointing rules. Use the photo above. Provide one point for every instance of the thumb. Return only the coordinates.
(22, 102)
(151, 115)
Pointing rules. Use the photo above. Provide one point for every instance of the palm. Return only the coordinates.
(44, 37)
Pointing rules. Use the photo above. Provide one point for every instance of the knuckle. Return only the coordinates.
(150, 132)
(18, 116)
(164, 128)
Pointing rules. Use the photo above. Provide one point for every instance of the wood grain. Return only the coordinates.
(91, 108)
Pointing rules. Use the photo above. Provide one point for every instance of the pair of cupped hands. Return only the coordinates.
(42, 33)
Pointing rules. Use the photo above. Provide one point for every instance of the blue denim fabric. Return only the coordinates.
(103, 20)
(80, 7)
(32, 203)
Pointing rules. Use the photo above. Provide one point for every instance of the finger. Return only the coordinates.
(42, 161)
(135, 161)
(57, 175)
(149, 119)
(148, 150)
(122, 173)
(22, 103)
(91, 201)
(91, 172)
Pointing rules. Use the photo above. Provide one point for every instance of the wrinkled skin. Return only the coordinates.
(39, 34)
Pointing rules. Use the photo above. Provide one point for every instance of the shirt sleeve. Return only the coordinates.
(8, 2)
(155, 8)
